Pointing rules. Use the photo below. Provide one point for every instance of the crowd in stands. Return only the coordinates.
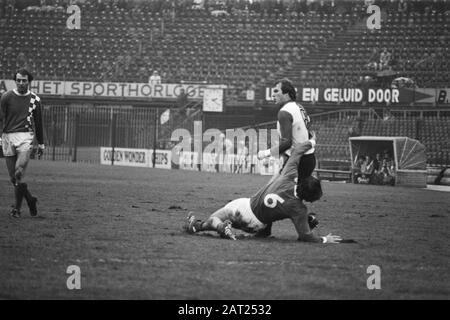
(374, 170)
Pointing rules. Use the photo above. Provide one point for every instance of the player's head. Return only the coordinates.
(309, 189)
(283, 91)
(23, 78)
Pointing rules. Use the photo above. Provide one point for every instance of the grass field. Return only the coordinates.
(122, 227)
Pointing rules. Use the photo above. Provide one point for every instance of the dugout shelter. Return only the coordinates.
(408, 155)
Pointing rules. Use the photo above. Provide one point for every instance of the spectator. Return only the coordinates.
(387, 156)
(182, 99)
(127, 60)
(357, 169)
(385, 58)
(373, 59)
(142, 73)
(155, 78)
(352, 132)
(366, 170)
(377, 176)
(387, 174)
(377, 163)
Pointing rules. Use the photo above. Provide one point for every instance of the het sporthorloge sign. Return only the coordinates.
(124, 90)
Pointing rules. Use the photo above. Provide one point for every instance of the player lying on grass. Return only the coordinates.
(282, 198)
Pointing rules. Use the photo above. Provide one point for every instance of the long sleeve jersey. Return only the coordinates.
(22, 113)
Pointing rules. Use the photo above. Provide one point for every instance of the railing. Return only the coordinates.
(76, 133)
(334, 175)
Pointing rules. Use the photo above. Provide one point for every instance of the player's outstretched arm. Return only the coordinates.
(310, 237)
(306, 235)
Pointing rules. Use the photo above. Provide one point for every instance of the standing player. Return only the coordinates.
(292, 128)
(281, 198)
(20, 114)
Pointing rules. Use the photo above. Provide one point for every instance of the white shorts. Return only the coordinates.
(243, 217)
(16, 142)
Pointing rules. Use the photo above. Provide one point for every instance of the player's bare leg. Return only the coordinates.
(11, 166)
(23, 159)
(31, 201)
(21, 164)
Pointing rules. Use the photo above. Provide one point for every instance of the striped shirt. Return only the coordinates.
(300, 120)
(22, 113)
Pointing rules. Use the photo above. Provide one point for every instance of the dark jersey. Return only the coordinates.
(277, 200)
(21, 113)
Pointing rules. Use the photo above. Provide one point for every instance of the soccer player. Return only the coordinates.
(21, 117)
(281, 198)
(292, 127)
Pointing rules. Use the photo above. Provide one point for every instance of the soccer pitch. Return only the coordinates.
(123, 228)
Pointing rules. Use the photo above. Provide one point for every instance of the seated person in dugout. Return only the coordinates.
(366, 171)
(387, 173)
(376, 167)
(357, 168)
(281, 198)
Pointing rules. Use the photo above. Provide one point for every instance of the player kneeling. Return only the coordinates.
(240, 215)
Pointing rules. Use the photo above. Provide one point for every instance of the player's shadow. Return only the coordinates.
(246, 237)
(241, 237)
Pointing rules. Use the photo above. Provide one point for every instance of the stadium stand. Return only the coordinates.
(417, 41)
(193, 45)
(318, 47)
